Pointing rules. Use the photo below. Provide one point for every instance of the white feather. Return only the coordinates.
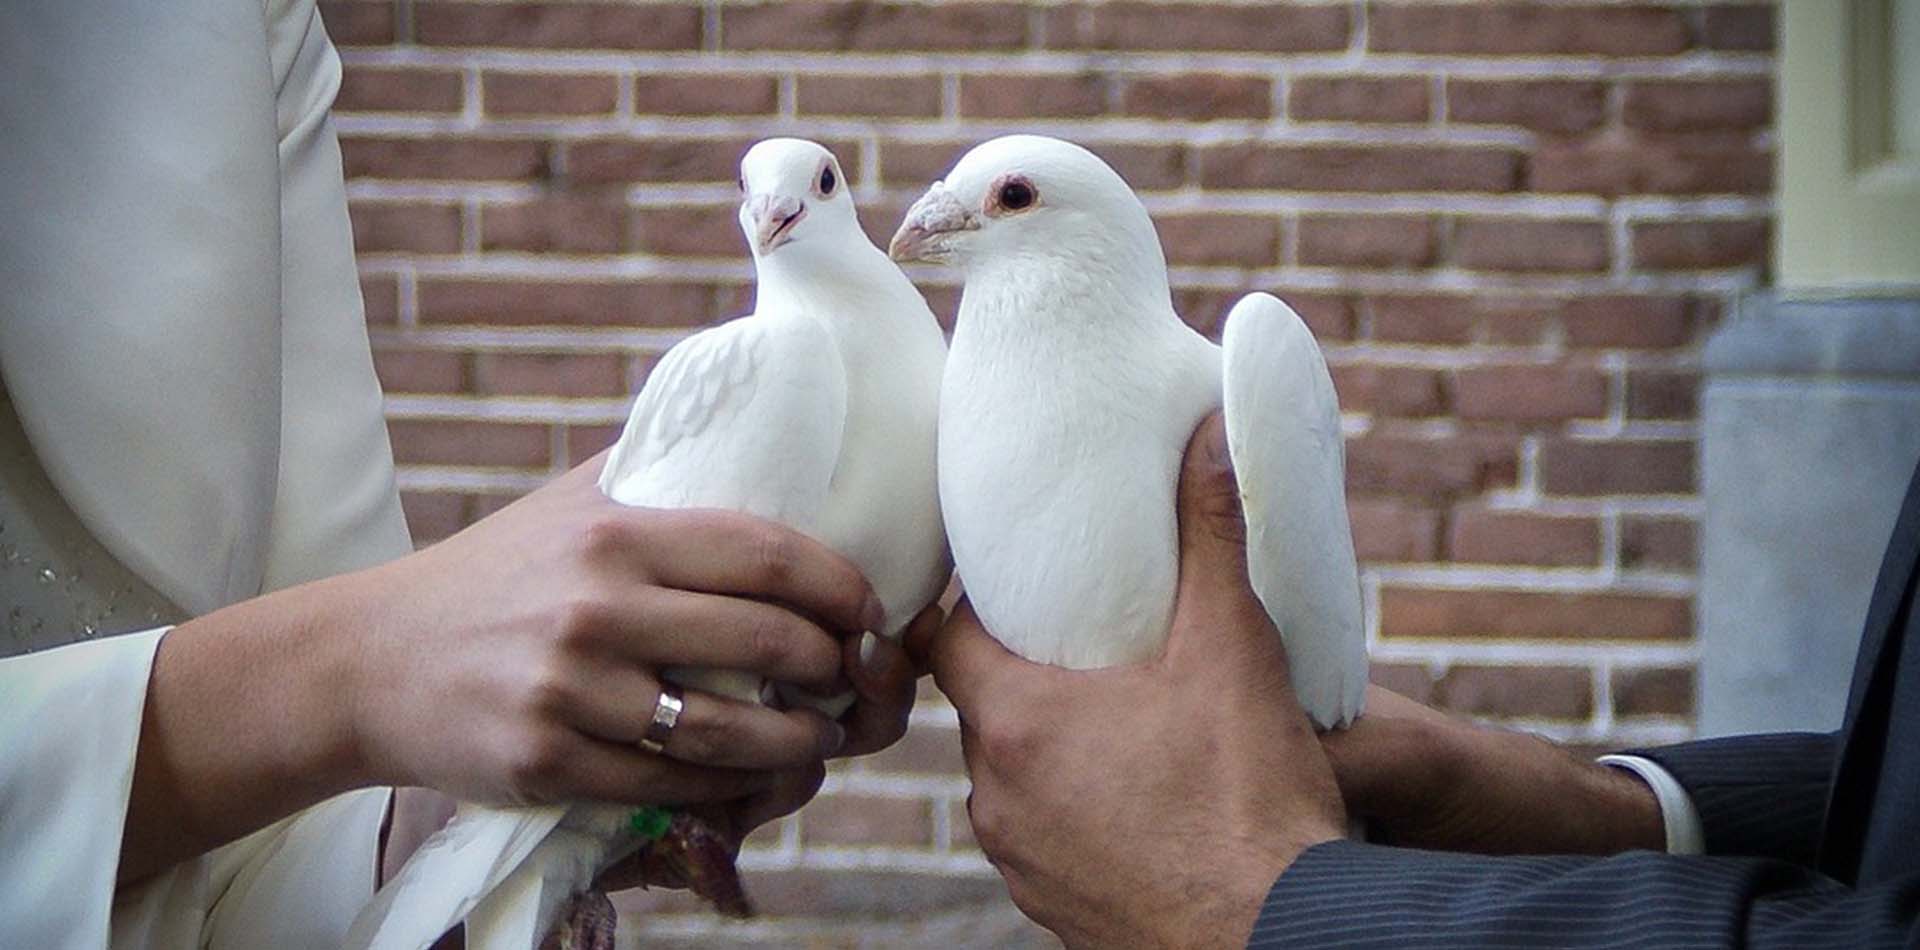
(1070, 395)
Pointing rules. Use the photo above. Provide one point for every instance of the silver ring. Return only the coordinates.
(666, 715)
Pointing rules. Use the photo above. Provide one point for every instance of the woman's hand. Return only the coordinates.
(518, 661)
(515, 662)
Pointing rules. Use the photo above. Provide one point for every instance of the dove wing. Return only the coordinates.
(1283, 432)
(745, 416)
(443, 881)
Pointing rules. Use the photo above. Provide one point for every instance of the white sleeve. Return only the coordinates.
(69, 726)
(1685, 834)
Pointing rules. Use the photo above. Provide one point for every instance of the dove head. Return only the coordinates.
(1030, 208)
(794, 200)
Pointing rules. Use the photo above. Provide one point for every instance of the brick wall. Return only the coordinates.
(1510, 225)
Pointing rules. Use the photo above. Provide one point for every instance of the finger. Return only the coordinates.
(884, 681)
(598, 770)
(723, 552)
(788, 791)
(617, 705)
(662, 626)
(1213, 533)
(968, 663)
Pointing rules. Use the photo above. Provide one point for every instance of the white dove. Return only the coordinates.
(1071, 390)
(817, 411)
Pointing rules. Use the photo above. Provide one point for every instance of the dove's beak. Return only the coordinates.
(932, 223)
(774, 217)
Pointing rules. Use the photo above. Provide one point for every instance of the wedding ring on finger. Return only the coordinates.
(666, 715)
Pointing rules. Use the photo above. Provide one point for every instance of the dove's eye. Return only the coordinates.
(827, 181)
(1014, 194)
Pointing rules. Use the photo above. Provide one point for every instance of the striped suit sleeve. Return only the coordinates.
(1352, 895)
(1760, 796)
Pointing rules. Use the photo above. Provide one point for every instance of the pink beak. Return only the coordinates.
(774, 218)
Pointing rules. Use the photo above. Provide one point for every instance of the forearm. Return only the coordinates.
(247, 720)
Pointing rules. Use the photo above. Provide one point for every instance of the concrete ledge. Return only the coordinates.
(1856, 339)
(1810, 426)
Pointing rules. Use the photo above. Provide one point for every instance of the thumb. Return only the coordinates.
(1213, 535)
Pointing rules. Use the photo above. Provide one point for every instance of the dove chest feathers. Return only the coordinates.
(1060, 453)
(884, 489)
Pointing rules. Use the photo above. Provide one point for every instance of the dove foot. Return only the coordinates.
(586, 924)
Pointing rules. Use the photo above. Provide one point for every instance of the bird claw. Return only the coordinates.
(587, 923)
(692, 854)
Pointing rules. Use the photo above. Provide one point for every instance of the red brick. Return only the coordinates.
(1415, 613)
(560, 302)
(386, 89)
(1389, 390)
(1479, 535)
(1435, 319)
(547, 94)
(1518, 320)
(1145, 167)
(1408, 679)
(924, 750)
(1180, 27)
(410, 227)
(444, 158)
(565, 224)
(705, 94)
(1227, 240)
(1591, 467)
(1631, 322)
(1386, 530)
(462, 442)
(1327, 316)
(842, 819)
(1519, 29)
(694, 231)
(1199, 97)
(1429, 469)
(1530, 245)
(1032, 95)
(1682, 105)
(433, 516)
(585, 442)
(1700, 245)
(1358, 168)
(1545, 105)
(1358, 99)
(1745, 27)
(1366, 240)
(1663, 394)
(380, 295)
(1517, 692)
(1652, 692)
(652, 26)
(868, 95)
(550, 374)
(617, 161)
(356, 23)
(1652, 166)
(480, 507)
(403, 370)
(873, 27)
(1530, 393)
(1658, 544)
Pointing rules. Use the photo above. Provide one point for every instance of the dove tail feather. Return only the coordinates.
(446, 879)
(1283, 432)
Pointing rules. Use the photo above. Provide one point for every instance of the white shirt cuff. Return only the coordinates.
(1685, 834)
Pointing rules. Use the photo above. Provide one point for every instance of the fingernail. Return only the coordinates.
(873, 616)
(836, 737)
(868, 642)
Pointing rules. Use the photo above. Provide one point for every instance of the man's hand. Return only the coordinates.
(1151, 805)
(1424, 779)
